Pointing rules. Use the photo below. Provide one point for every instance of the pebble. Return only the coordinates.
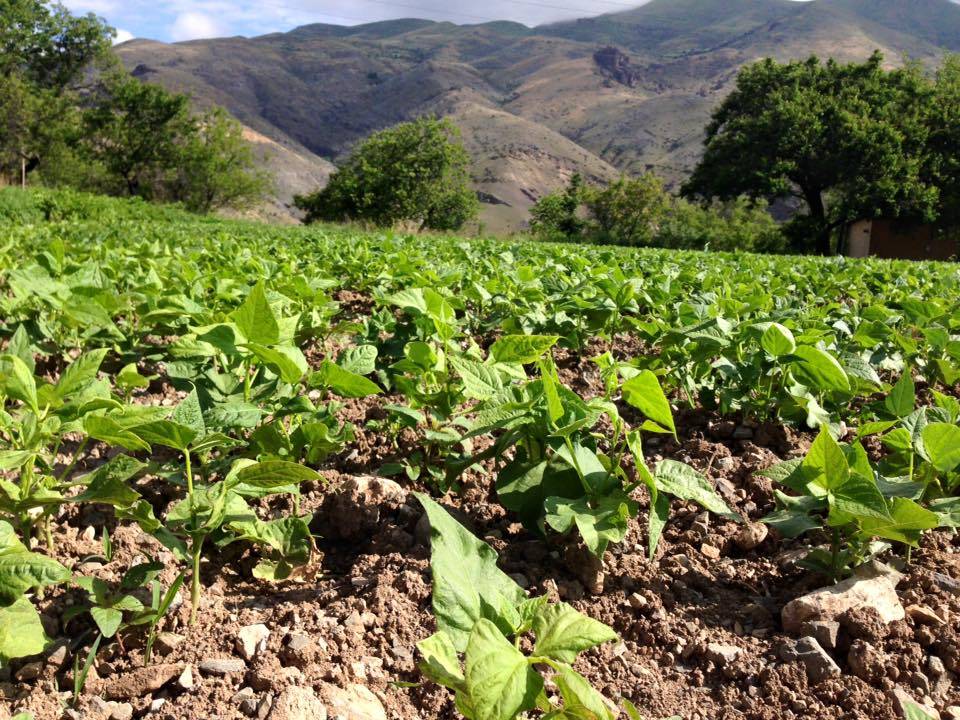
(947, 583)
(355, 702)
(923, 615)
(298, 703)
(30, 671)
(252, 639)
(222, 666)
(167, 642)
(722, 655)
(157, 704)
(710, 551)
(638, 601)
(185, 681)
(122, 711)
(751, 535)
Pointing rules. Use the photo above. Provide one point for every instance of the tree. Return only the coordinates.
(413, 172)
(629, 211)
(557, 216)
(133, 130)
(847, 141)
(48, 45)
(945, 139)
(216, 166)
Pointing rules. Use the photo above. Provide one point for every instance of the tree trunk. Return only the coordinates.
(818, 212)
(23, 171)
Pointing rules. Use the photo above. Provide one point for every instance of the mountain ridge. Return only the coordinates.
(534, 104)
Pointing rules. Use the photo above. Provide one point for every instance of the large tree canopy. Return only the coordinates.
(847, 141)
(413, 172)
(48, 45)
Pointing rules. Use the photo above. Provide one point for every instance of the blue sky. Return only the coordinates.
(173, 20)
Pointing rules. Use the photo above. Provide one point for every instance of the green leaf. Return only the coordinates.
(912, 711)
(80, 373)
(819, 370)
(21, 632)
(480, 382)
(129, 378)
(189, 414)
(22, 570)
(599, 523)
(108, 430)
(656, 522)
(580, 700)
(778, 341)
(274, 474)
(942, 444)
(906, 522)
(467, 584)
(343, 382)
(948, 511)
(826, 464)
(256, 319)
(19, 381)
(500, 683)
(440, 661)
(108, 620)
(860, 498)
(167, 433)
(360, 360)
(683, 482)
(108, 483)
(287, 362)
(902, 398)
(522, 349)
(562, 633)
(643, 392)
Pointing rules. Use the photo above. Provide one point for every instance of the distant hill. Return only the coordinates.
(535, 104)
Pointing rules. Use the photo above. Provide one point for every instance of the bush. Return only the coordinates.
(640, 212)
(38, 205)
(414, 172)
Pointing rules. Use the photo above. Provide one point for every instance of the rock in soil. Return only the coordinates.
(356, 509)
(873, 585)
(817, 662)
(297, 703)
(139, 682)
(751, 536)
(251, 639)
(355, 702)
(222, 666)
(902, 700)
(824, 632)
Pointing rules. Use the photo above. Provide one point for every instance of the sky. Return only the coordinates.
(176, 20)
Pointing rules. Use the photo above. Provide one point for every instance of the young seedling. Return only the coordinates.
(484, 615)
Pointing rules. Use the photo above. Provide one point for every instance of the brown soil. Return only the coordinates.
(367, 601)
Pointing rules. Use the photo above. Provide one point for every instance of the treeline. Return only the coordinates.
(70, 116)
(832, 143)
(640, 212)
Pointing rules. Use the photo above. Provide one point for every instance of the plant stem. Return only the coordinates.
(74, 460)
(195, 579)
(189, 468)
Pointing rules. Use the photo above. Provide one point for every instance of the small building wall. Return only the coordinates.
(858, 238)
(900, 239)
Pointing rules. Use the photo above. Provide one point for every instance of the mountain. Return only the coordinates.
(622, 92)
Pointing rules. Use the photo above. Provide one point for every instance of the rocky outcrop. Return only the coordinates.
(616, 66)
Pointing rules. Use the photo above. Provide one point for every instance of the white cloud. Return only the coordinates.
(122, 36)
(194, 25)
